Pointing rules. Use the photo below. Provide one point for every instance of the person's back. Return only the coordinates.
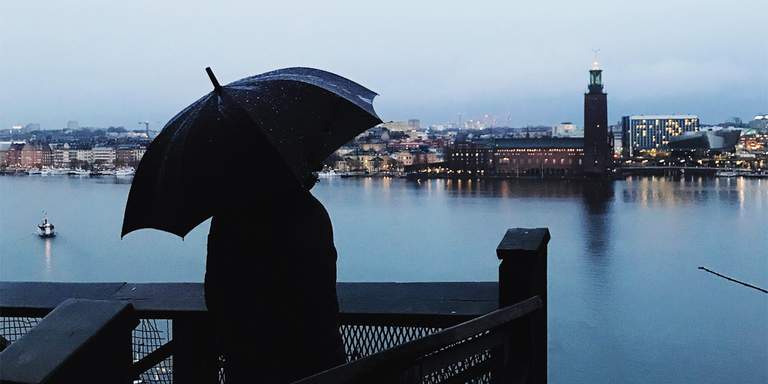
(271, 286)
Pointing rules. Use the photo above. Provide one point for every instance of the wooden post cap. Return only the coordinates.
(522, 242)
(62, 340)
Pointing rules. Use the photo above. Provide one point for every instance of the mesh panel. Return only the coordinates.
(149, 335)
(359, 341)
(364, 340)
(481, 359)
(12, 328)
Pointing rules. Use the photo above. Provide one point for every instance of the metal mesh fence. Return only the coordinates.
(462, 366)
(359, 341)
(12, 328)
(149, 335)
(364, 340)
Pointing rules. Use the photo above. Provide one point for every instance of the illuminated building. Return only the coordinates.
(517, 157)
(654, 132)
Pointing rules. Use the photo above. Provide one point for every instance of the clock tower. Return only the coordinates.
(597, 146)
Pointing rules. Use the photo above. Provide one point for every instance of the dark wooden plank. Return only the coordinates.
(461, 298)
(39, 298)
(76, 338)
(166, 300)
(522, 242)
(163, 300)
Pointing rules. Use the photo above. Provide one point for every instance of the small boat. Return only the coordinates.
(125, 172)
(106, 172)
(79, 172)
(726, 174)
(327, 174)
(34, 171)
(59, 171)
(45, 229)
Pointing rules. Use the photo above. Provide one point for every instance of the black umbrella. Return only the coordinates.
(264, 131)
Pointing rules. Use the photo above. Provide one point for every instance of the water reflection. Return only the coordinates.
(597, 197)
(670, 192)
(47, 254)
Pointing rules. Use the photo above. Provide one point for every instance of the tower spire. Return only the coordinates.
(595, 75)
(595, 62)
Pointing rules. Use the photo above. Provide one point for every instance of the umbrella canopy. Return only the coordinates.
(266, 131)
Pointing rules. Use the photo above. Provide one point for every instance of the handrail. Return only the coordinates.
(395, 302)
(401, 355)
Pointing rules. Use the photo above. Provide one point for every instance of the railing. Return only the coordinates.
(410, 331)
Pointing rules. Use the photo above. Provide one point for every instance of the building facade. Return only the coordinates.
(653, 132)
(104, 155)
(705, 142)
(537, 157)
(469, 157)
(597, 140)
(517, 157)
(61, 156)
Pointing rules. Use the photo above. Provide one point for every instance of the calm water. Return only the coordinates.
(627, 303)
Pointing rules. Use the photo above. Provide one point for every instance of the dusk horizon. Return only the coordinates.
(119, 64)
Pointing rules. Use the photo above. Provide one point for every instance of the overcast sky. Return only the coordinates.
(117, 62)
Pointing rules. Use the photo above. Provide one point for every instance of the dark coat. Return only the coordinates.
(270, 284)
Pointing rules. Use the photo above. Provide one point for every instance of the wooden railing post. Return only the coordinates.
(81, 341)
(195, 356)
(523, 274)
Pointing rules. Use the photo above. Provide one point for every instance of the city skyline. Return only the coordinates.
(119, 64)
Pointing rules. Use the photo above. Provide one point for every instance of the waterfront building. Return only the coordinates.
(597, 140)
(5, 146)
(537, 157)
(81, 154)
(104, 155)
(129, 154)
(27, 155)
(469, 157)
(61, 156)
(518, 157)
(654, 132)
(703, 143)
(403, 157)
(13, 155)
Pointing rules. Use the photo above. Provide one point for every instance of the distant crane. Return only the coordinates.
(146, 127)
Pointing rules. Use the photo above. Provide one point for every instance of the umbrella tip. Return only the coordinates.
(216, 85)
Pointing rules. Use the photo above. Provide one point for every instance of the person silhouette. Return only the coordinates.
(270, 286)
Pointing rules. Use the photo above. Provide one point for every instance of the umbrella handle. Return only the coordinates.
(216, 85)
